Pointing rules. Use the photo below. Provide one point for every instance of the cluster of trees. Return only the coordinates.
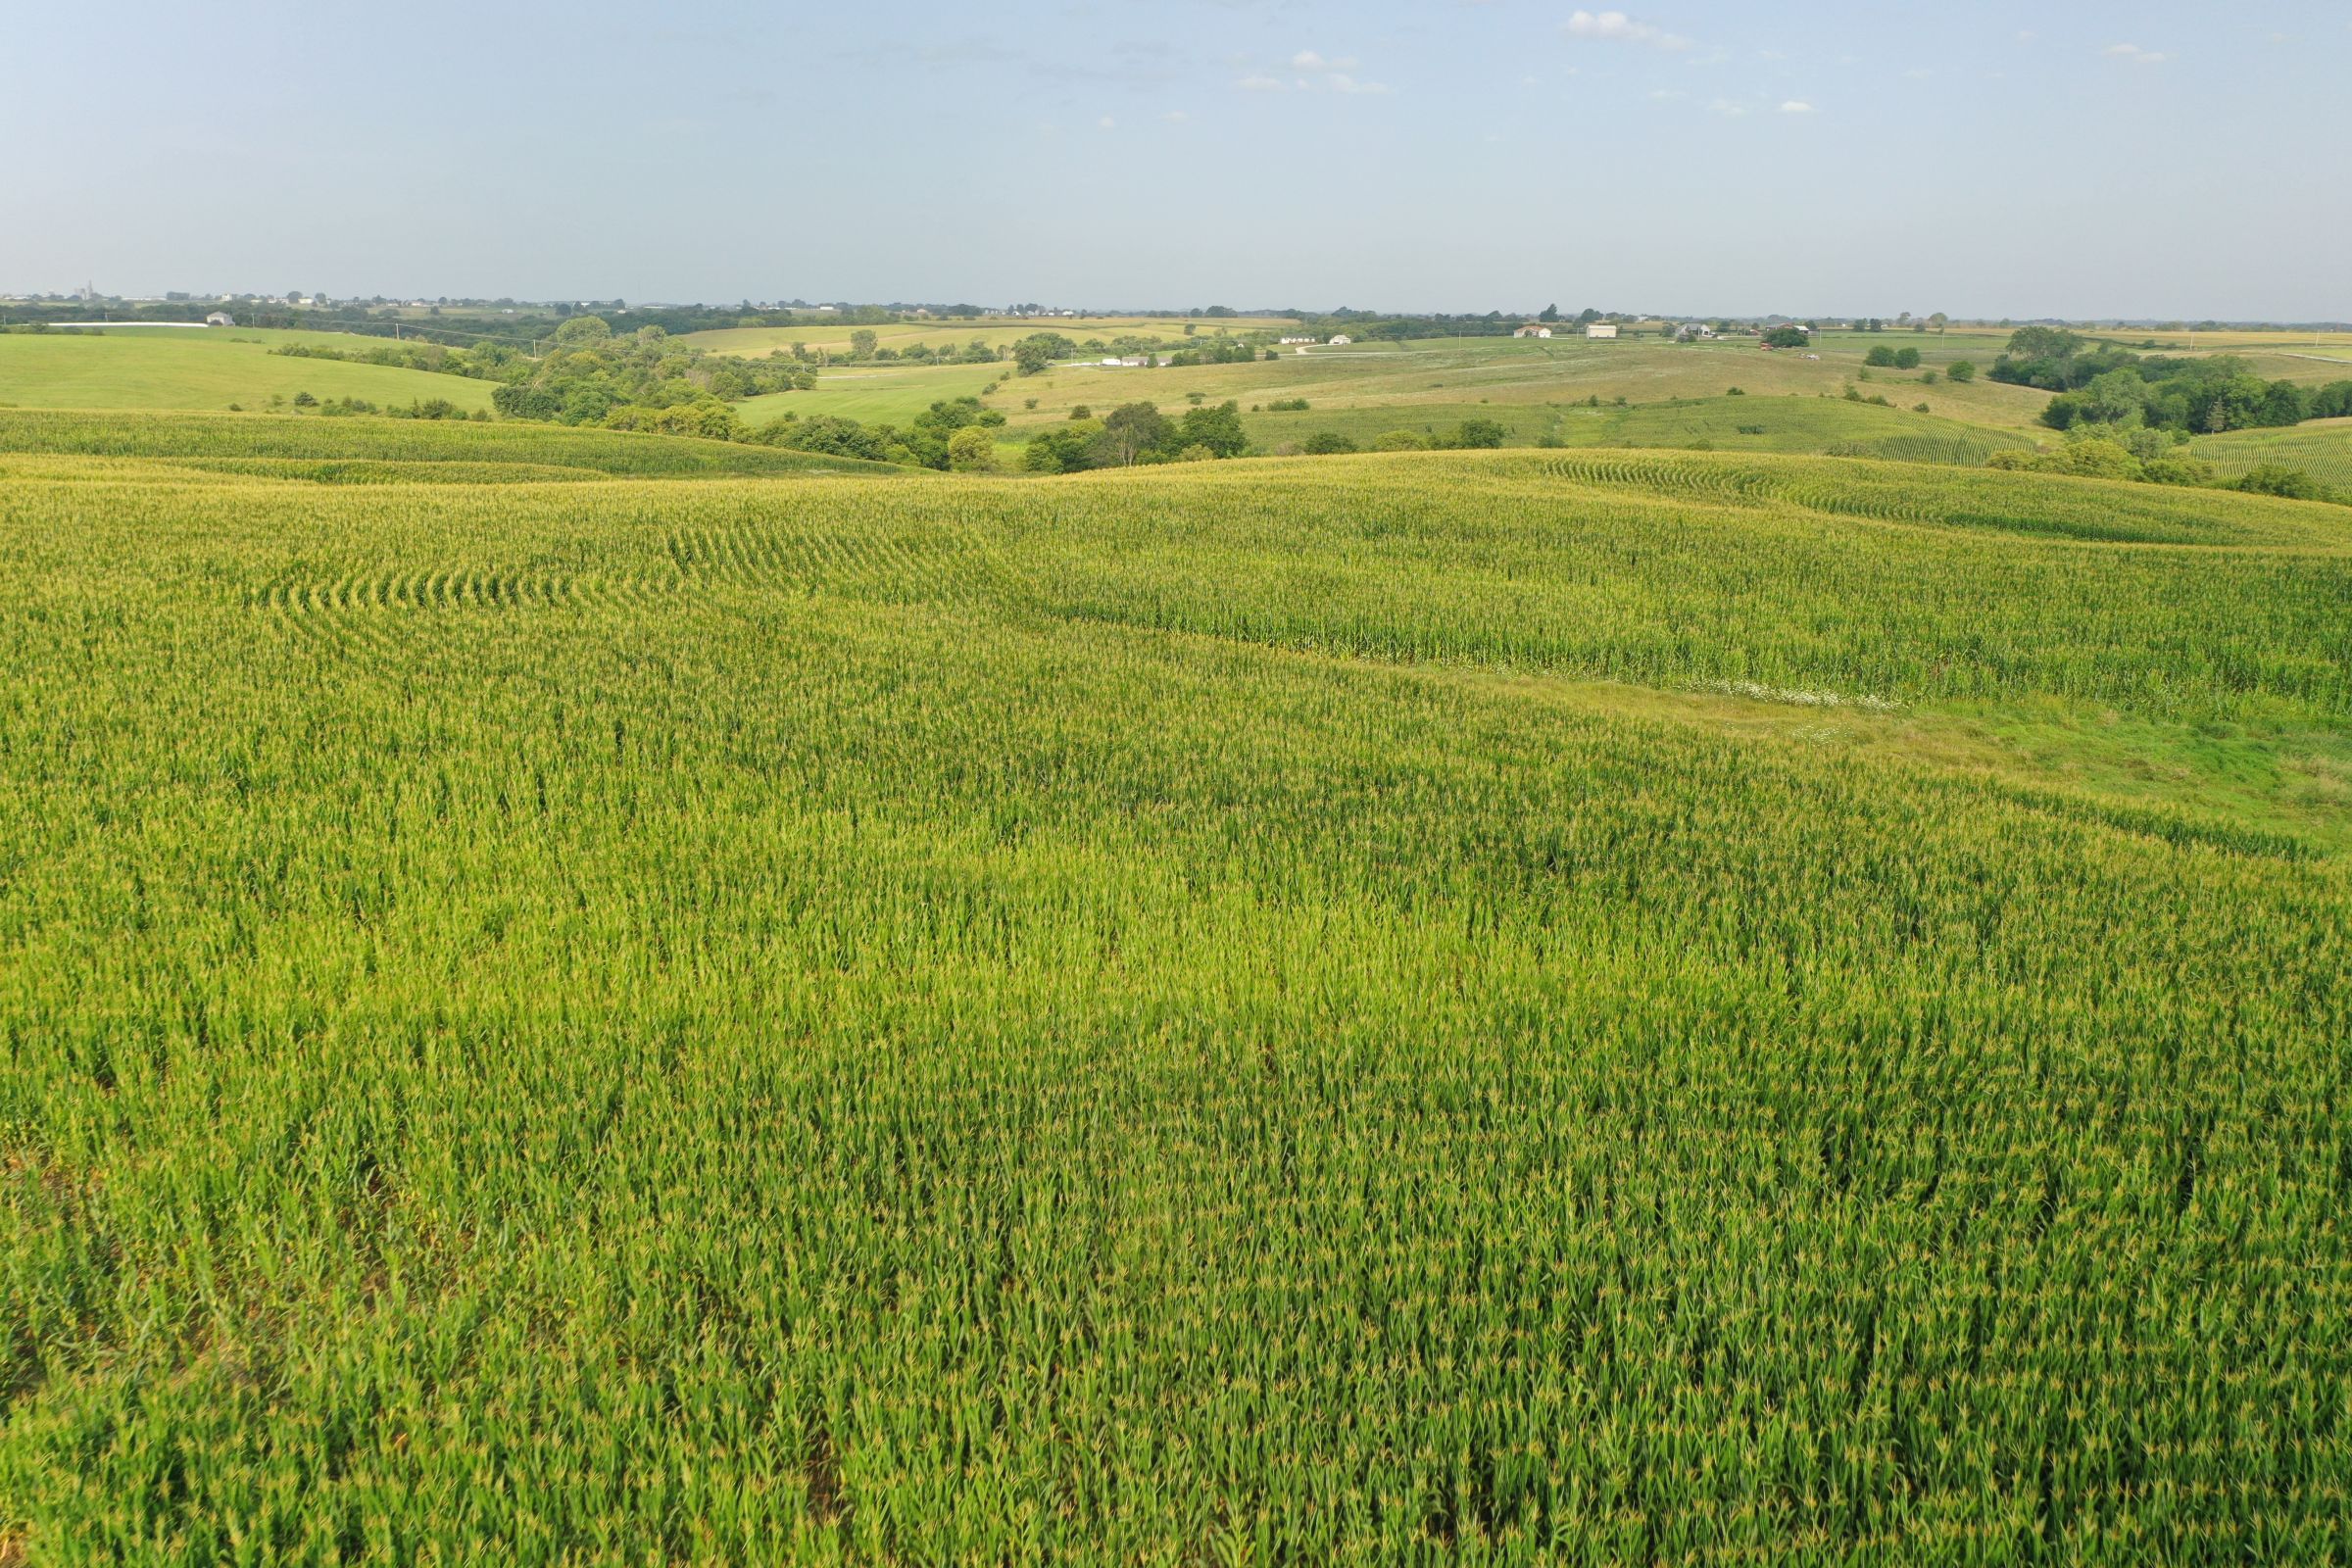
(1469, 435)
(866, 346)
(1217, 351)
(1882, 357)
(345, 408)
(638, 383)
(1137, 433)
(2099, 384)
(487, 360)
(954, 433)
(2154, 457)
(1038, 351)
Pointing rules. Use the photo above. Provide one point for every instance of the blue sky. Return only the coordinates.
(1978, 157)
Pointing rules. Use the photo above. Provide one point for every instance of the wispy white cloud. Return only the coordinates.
(1666, 95)
(1796, 106)
(1726, 108)
(1318, 71)
(1615, 26)
(2135, 54)
(1107, 124)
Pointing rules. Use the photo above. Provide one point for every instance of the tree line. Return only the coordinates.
(2106, 386)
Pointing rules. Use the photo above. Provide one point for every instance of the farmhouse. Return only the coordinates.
(1341, 340)
(1601, 329)
(220, 318)
(1533, 329)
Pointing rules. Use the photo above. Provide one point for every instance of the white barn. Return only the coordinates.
(1601, 329)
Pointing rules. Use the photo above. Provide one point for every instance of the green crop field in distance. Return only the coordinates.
(1533, 1007)
(204, 368)
(2322, 448)
(295, 446)
(877, 394)
(1796, 424)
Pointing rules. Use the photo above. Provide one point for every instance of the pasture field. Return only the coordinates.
(1564, 1006)
(1796, 424)
(880, 394)
(2322, 448)
(204, 368)
(1431, 380)
(997, 331)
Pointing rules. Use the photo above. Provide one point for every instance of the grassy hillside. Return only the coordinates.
(2322, 448)
(1813, 425)
(310, 446)
(875, 395)
(1519, 381)
(1546, 1007)
(203, 370)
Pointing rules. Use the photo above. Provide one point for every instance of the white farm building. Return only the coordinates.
(1601, 329)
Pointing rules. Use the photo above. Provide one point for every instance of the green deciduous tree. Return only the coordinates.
(972, 450)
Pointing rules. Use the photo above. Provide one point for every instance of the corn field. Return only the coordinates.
(664, 1020)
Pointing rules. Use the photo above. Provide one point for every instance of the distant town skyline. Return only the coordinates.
(1694, 158)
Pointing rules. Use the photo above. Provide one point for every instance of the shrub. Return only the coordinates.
(1327, 443)
(2278, 479)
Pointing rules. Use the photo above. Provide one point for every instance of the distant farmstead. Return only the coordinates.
(1533, 330)
(1341, 340)
(1601, 329)
(1288, 341)
(220, 318)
